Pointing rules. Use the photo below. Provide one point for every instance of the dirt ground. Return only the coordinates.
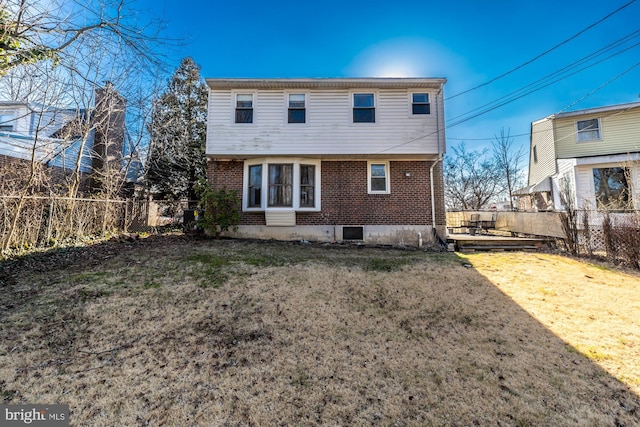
(177, 331)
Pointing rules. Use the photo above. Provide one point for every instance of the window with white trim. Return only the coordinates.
(612, 188)
(588, 130)
(7, 120)
(307, 186)
(297, 108)
(244, 108)
(420, 103)
(281, 184)
(254, 194)
(364, 108)
(378, 178)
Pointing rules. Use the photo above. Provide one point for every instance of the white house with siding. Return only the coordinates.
(330, 159)
(594, 151)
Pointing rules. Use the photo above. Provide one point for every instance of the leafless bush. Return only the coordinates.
(608, 237)
(586, 233)
(569, 217)
(625, 238)
(48, 221)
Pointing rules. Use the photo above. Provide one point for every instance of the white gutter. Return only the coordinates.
(439, 159)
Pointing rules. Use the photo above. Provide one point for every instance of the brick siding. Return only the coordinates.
(345, 200)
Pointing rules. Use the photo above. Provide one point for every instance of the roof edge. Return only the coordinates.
(356, 82)
(594, 110)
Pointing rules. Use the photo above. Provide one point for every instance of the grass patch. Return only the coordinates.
(151, 285)
(319, 335)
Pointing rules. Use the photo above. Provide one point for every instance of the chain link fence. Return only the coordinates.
(37, 221)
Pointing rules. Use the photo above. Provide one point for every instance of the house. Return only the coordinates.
(66, 140)
(331, 159)
(588, 156)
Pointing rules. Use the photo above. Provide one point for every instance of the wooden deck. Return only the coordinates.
(488, 242)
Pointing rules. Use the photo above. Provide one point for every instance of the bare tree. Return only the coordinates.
(508, 160)
(470, 179)
(100, 63)
(32, 31)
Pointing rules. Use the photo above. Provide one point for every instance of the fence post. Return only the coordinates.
(125, 220)
(50, 219)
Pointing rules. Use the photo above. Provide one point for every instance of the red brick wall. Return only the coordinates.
(344, 194)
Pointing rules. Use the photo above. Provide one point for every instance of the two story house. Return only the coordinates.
(592, 153)
(331, 159)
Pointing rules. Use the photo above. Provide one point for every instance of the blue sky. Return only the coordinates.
(468, 42)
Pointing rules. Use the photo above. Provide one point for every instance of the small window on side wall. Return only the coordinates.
(378, 177)
(244, 108)
(297, 108)
(420, 103)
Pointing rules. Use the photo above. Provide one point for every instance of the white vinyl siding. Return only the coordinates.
(329, 128)
(542, 140)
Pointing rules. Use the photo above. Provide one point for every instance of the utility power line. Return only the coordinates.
(547, 80)
(545, 52)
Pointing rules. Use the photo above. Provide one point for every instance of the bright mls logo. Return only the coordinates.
(35, 415)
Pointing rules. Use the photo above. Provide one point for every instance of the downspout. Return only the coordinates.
(439, 159)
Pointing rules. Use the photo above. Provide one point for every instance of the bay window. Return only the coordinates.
(281, 184)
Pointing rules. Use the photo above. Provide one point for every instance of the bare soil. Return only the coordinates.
(178, 331)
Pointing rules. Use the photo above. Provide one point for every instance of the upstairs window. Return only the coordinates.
(420, 103)
(588, 130)
(364, 109)
(379, 177)
(297, 108)
(7, 120)
(244, 108)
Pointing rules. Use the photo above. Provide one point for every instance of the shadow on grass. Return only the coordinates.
(128, 333)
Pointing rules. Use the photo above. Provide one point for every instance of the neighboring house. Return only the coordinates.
(331, 159)
(68, 139)
(593, 153)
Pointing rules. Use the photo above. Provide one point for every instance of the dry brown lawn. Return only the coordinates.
(174, 331)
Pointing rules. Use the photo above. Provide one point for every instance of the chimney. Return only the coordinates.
(108, 120)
